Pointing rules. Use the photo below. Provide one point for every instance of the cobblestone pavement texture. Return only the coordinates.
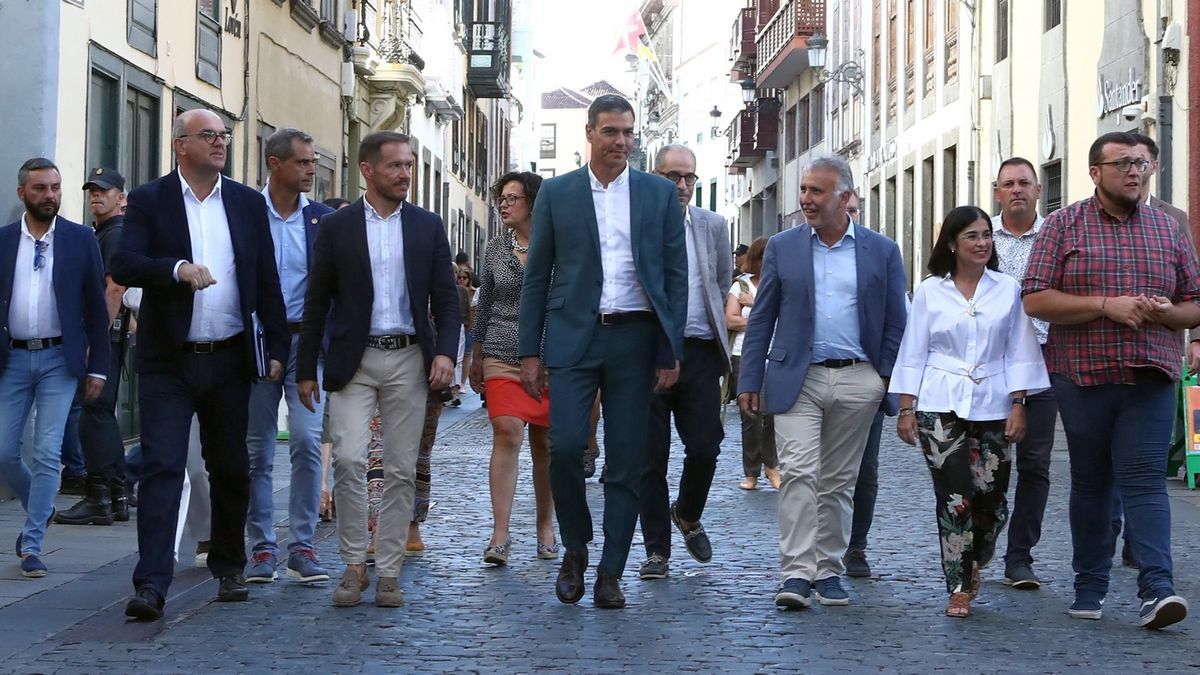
(461, 616)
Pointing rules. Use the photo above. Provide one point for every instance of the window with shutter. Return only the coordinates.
(208, 41)
(143, 26)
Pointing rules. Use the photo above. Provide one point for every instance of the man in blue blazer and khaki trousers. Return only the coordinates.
(53, 333)
(606, 285)
(820, 345)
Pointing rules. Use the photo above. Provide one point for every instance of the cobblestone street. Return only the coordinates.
(461, 616)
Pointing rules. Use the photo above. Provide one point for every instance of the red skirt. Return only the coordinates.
(507, 397)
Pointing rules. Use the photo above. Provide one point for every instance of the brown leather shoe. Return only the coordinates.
(569, 587)
(608, 593)
(388, 593)
(349, 590)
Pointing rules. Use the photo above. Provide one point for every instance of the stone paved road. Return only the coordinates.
(464, 617)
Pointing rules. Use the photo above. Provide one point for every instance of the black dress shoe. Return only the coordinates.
(608, 593)
(146, 605)
(569, 587)
(233, 589)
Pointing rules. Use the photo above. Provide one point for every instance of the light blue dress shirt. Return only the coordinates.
(835, 288)
(291, 255)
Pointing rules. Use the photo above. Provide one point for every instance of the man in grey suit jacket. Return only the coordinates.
(611, 319)
(696, 397)
(831, 311)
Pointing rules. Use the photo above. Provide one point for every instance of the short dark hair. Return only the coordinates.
(941, 259)
(371, 147)
(280, 144)
(31, 165)
(1096, 152)
(1143, 139)
(1016, 161)
(335, 203)
(607, 103)
(461, 258)
(530, 183)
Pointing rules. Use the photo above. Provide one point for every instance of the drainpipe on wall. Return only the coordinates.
(246, 99)
(1193, 31)
(1165, 116)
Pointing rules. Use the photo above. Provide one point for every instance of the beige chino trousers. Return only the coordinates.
(394, 381)
(820, 441)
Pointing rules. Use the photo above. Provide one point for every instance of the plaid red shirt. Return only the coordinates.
(1082, 250)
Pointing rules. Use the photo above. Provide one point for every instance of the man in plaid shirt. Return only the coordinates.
(1117, 281)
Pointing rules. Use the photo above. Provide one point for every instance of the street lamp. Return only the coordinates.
(578, 159)
(652, 123)
(715, 114)
(849, 72)
(748, 91)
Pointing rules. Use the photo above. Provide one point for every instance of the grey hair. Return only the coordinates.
(661, 155)
(837, 165)
(280, 144)
(31, 165)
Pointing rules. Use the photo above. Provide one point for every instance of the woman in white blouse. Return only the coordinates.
(968, 359)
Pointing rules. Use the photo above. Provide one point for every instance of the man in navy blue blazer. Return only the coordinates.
(381, 270)
(606, 285)
(295, 223)
(53, 333)
(820, 345)
(199, 246)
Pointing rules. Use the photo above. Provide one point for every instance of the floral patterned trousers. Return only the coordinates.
(970, 464)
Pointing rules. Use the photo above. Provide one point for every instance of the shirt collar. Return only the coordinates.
(1096, 203)
(620, 180)
(998, 227)
(372, 213)
(849, 229)
(187, 189)
(25, 227)
(266, 192)
(687, 215)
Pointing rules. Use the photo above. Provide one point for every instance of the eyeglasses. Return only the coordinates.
(674, 176)
(1123, 165)
(210, 137)
(39, 254)
(509, 200)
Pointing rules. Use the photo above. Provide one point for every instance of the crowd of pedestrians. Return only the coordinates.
(607, 292)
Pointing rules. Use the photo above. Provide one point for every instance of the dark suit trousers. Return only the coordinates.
(1033, 478)
(215, 388)
(619, 361)
(99, 433)
(696, 402)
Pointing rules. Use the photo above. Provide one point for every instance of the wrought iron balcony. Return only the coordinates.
(489, 53)
(783, 43)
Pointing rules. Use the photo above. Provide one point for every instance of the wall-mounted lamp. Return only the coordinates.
(849, 72)
(715, 114)
(749, 91)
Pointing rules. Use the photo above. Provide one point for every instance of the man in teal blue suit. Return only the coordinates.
(603, 306)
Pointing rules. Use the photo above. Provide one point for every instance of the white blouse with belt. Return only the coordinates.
(968, 356)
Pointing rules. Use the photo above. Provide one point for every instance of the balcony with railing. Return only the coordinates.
(782, 44)
(742, 48)
(489, 53)
(752, 132)
(400, 66)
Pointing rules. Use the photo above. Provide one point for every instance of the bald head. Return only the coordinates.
(197, 155)
(677, 163)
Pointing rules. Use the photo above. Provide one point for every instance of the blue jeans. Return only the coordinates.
(867, 487)
(1119, 435)
(31, 377)
(304, 444)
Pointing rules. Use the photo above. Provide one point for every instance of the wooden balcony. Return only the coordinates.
(742, 48)
(752, 132)
(783, 43)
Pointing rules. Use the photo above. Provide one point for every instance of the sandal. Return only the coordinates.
(959, 606)
(327, 510)
(749, 483)
(547, 551)
(975, 581)
(497, 555)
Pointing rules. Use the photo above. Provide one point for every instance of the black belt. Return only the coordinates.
(391, 341)
(211, 347)
(618, 318)
(294, 328)
(36, 343)
(838, 363)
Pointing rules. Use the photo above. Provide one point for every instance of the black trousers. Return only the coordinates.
(1033, 478)
(216, 388)
(695, 401)
(99, 434)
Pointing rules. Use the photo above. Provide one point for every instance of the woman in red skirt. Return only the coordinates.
(496, 369)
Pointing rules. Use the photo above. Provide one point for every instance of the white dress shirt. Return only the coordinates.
(34, 310)
(216, 310)
(390, 311)
(622, 290)
(698, 325)
(968, 356)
